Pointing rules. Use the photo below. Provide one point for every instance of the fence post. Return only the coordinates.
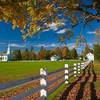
(82, 65)
(66, 74)
(75, 69)
(43, 83)
(79, 68)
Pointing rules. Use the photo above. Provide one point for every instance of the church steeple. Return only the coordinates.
(8, 50)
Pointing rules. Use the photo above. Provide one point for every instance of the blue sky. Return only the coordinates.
(47, 38)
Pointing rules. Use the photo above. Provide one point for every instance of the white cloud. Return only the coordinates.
(92, 32)
(71, 45)
(45, 30)
(48, 45)
(61, 31)
(17, 45)
(39, 45)
(53, 26)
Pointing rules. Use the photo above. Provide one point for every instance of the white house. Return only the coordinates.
(90, 56)
(5, 56)
(54, 58)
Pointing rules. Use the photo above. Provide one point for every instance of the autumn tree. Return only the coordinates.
(52, 52)
(57, 51)
(86, 50)
(42, 53)
(33, 16)
(65, 52)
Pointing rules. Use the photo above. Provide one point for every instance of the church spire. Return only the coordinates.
(8, 50)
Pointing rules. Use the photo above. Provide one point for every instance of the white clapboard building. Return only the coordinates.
(5, 56)
(90, 56)
(54, 58)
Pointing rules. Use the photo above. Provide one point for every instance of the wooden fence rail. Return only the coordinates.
(40, 87)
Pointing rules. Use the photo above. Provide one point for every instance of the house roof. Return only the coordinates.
(90, 53)
(55, 56)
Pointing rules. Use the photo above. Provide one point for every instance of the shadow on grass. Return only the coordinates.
(92, 86)
(69, 88)
(79, 96)
(82, 86)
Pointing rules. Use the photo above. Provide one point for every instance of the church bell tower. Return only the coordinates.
(8, 50)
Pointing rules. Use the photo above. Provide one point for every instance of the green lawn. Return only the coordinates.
(18, 70)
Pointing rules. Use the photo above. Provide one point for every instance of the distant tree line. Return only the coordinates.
(63, 53)
(44, 54)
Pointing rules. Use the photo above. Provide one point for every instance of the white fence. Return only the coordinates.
(45, 84)
(68, 73)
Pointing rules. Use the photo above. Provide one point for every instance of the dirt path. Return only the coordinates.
(83, 88)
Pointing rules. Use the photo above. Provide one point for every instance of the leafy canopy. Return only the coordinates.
(33, 16)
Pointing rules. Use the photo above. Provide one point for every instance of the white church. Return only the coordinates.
(4, 57)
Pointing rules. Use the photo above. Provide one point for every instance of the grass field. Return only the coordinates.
(18, 70)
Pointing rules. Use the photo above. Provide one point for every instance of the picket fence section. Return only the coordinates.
(48, 82)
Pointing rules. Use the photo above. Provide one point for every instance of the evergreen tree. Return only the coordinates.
(32, 55)
(25, 55)
(17, 55)
(74, 54)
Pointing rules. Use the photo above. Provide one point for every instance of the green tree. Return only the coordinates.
(25, 55)
(32, 54)
(97, 51)
(48, 55)
(17, 55)
(74, 54)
